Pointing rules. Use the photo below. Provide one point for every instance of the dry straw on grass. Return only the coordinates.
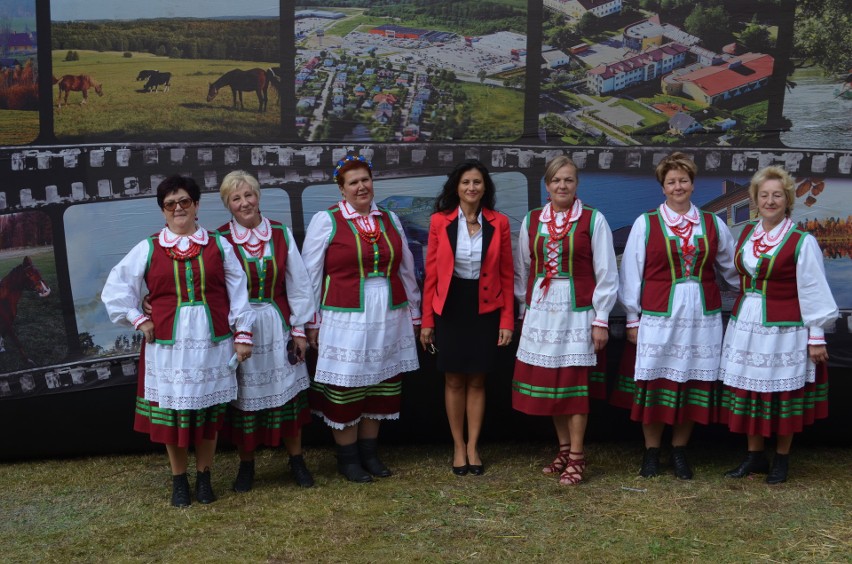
(116, 509)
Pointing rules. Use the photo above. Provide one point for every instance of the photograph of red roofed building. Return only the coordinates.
(635, 72)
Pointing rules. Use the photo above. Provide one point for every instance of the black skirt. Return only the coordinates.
(466, 341)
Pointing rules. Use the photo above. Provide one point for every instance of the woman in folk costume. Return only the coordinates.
(200, 318)
(272, 402)
(468, 309)
(362, 274)
(673, 305)
(567, 283)
(774, 355)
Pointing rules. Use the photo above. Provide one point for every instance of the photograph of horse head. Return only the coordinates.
(32, 330)
(166, 75)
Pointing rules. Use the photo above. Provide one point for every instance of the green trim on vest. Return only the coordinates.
(190, 290)
(752, 288)
(570, 237)
(696, 273)
(363, 277)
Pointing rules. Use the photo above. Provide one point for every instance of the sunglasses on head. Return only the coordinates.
(184, 203)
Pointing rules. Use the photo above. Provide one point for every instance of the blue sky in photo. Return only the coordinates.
(65, 10)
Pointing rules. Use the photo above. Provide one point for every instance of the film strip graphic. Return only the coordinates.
(37, 177)
(57, 177)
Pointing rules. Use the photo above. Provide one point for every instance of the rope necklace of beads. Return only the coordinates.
(191, 252)
(765, 242)
(173, 252)
(368, 229)
(683, 232)
(556, 234)
(254, 249)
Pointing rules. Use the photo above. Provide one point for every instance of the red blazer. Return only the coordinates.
(496, 275)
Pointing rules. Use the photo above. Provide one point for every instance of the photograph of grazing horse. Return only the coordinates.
(256, 80)
(25, 276)
(157, 79)
(77, 83)
(273, 74)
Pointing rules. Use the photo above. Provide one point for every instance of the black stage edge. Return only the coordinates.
(100, 421)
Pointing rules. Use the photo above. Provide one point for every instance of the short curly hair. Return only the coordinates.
(676, 161)
(774, 173)
(233, 180)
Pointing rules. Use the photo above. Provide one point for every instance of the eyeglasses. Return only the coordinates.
(184, 203)
(432, 348)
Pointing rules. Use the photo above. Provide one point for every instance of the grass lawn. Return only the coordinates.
(125, 112)
(352, 22)
(18, 127)
(497, 114)
(116, 509)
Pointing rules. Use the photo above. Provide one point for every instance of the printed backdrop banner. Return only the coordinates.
(100, 100)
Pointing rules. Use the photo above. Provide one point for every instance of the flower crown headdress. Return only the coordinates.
(348, 159)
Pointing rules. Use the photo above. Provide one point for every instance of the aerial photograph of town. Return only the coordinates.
(411, 71)
(661, 72)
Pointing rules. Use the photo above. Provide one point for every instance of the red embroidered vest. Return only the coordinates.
(266, 280)
(575, 257)
(665, 266)
(774, 279)
(174, 284)
(349, 261)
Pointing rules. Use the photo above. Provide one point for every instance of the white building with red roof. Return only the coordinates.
(638, 69)
(576, 8)
(716, 84)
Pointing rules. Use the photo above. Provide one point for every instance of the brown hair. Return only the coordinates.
(676, 161)
(555, 164)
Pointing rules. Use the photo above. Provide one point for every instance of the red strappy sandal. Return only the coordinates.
(574, 469)
(560, 462)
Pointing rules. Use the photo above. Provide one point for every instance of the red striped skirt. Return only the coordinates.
(341, 407)
(624, 387)
(179, 427)
(661, 400)
(251, 429)
(557, 391)
(782, 413)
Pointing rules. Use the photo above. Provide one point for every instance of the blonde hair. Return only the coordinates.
(555, 164)
(233, 180)
(676, 161)
(774, 173)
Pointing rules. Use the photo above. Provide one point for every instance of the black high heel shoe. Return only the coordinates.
(461, 470)
(476, 469)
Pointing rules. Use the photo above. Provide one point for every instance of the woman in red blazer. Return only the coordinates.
(467, 300)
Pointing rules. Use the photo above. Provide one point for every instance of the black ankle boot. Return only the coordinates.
(300, 472)
(349, 464)
(681, 466)
(755, 463)
(650, 463)
(369, 459)
(245, 477)
(203, 487)
(778, 472)
(180, 491)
